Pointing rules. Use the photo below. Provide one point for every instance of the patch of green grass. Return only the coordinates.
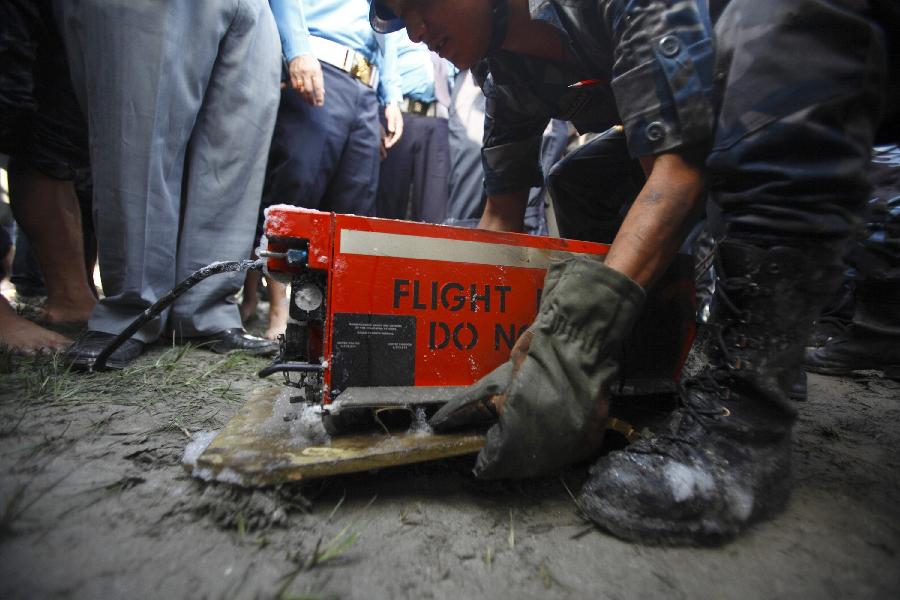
(183, 377)
(345, 539)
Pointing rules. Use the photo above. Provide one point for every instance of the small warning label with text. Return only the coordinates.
(373, 350)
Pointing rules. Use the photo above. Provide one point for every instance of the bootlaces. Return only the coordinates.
(700, 408)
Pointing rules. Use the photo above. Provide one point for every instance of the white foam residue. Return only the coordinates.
(308, 429)
(178, 490)
(204, 474)
(275, 220)
(420, 424)
(263, 244)
(290, 208)
(302, 421)
(227, 475)
(199, 442)
(686, 482)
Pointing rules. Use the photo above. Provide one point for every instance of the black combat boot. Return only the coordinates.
(870, 342)
(836, 317)
(723, 460)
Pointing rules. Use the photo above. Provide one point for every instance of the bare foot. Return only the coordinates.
(22, 336)
(250, 299)
(67, 313)
(278, 317)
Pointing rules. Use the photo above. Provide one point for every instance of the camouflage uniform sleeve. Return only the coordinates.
(662, 73)
(510, 153)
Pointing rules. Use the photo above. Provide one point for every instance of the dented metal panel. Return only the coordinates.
(246, 453)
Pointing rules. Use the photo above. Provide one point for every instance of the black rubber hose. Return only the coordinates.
(291, 368)
(161, 304)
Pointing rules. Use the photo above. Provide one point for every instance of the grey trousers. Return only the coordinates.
(181, 98)
(466, 128)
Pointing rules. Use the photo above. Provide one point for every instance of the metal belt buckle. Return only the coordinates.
(361, 70)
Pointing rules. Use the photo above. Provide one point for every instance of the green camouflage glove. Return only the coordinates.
(477, 404)
(474, 405)
(554, 392)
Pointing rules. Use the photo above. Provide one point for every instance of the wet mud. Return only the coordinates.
(95, 504)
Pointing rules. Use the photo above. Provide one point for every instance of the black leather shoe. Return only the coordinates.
(856, 349)
(82, 355)
(230, 340)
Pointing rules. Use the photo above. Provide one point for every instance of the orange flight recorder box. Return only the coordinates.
(378, 303)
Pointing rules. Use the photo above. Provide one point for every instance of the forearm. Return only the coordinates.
(292, 28)
(505, 212)
(659, 220)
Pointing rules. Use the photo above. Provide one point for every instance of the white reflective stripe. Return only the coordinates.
(332, 52)
(394, 245)
(340, 56)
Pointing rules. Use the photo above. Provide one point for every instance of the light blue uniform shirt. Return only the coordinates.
(416, 68)
(345, 22)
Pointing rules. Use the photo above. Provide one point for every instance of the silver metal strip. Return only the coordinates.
(394, 245)
(369, 397)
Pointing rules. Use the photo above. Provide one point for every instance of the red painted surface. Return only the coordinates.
(458, 337)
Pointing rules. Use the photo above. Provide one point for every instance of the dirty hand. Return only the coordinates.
(482, 402)
(552, 397)
(306, 78)
(394, 120)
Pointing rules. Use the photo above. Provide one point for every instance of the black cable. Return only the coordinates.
(277, 367)
(161, 304)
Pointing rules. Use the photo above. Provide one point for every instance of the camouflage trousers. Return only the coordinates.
(803, 92)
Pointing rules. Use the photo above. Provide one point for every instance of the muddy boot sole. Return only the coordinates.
(723, 520)
(700, 532)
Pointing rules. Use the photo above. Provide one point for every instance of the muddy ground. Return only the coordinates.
(95, 504)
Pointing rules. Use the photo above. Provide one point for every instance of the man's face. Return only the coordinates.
(458, 30)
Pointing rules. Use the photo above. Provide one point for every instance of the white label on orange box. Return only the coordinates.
(394, 245)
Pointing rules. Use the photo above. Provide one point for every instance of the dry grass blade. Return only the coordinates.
(548, 579)
(314, 557)
(511, 538)
(336, 507)
(241, 525)
(579, 510)
(376, 415)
